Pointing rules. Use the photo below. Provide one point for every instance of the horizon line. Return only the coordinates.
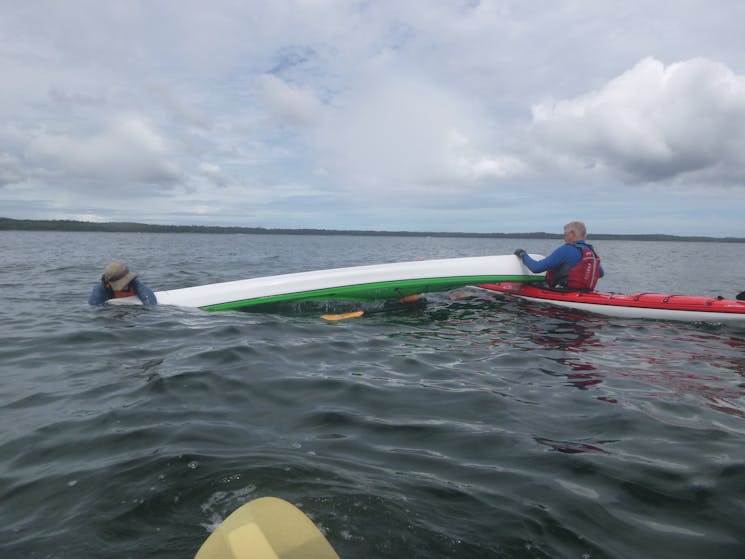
(7, 223)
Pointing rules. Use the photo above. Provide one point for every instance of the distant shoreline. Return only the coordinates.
(7, 224)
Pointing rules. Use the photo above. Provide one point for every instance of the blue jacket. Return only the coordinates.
(565, 254)
(101, 293)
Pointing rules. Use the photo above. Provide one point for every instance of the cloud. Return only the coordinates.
(10, 170)
(129, 150)
(291, 106)
(396, 131)
(411, 114)
(213, 173)
(653, 123)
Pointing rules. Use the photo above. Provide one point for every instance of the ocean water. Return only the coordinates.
(469, 428)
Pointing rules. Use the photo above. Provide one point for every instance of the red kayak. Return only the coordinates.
(640, 305)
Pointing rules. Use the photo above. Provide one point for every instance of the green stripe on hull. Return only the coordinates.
(371, 291)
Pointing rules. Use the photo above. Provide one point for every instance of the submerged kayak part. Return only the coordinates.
(640, 305)
(266, 528)
(377, 281)
(408, 303)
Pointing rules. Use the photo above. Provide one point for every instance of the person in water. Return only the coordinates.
(117, 281)
(574, 265)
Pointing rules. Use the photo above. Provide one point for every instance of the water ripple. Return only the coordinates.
(471, 428)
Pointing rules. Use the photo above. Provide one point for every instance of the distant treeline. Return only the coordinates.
(8, 224)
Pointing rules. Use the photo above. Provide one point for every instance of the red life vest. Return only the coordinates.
(128, 291)
(583, 276)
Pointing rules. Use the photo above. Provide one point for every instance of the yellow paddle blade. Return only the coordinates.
(266, 528)
(343, 316)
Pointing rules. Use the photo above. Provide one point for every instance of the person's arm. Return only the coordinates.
(553, 260)
(99, 295)
(145, 294)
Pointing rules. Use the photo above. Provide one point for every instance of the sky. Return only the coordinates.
(400, 115)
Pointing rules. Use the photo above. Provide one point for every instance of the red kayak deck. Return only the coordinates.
(640, 305)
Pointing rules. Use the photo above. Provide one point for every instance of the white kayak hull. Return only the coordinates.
(377, 281)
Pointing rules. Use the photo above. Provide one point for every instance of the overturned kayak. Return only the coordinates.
(378, 281)
(641, 305)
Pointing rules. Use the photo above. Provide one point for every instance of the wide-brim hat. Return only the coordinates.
(118, 275)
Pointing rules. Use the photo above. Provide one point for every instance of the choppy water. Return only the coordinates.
(470, 428)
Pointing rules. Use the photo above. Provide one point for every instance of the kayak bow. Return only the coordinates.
(266, 528)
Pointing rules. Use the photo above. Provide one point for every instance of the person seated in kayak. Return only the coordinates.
(117, 281)
(574, 265)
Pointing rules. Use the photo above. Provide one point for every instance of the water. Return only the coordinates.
(470, 428)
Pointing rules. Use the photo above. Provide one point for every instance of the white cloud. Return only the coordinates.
(128, 151)
(95, 218)
(292, 106)
(213, 173)
(395, 131)
(653, 123)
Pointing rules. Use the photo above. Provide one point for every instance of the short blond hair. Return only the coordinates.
(577, 226)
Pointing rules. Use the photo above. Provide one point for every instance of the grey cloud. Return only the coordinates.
(292, 106)
(128, 151)
(652, 123)
(11, 171)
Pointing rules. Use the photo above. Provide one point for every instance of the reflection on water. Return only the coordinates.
(569, 335)
(670, 366)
